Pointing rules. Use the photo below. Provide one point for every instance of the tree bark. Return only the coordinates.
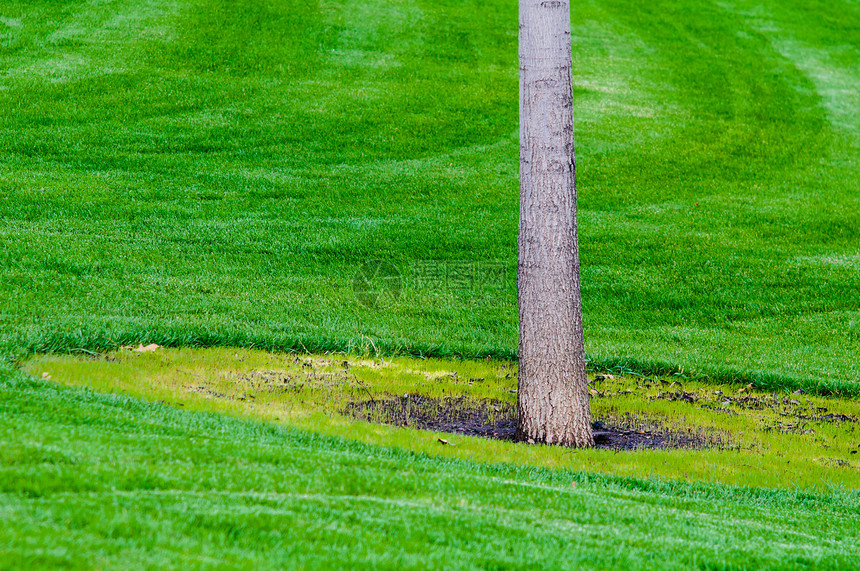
(553, 389)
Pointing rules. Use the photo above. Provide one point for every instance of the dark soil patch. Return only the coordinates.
(498, 420)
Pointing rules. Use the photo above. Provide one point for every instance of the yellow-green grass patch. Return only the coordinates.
(779, 440)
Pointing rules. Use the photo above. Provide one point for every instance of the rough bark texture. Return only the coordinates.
(553, 389)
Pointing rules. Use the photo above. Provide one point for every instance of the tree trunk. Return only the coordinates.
(553, 389)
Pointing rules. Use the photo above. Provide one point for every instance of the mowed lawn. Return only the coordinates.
(202, 172)
(96, 481)
(216, 173)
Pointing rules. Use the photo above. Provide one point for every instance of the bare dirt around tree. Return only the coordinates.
(498, 420)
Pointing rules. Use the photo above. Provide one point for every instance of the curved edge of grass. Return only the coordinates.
(99, 341)
(837, 497)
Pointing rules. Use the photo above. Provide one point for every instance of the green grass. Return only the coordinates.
(214, 173)
(205, 172)
(779, 441)
(94, 480)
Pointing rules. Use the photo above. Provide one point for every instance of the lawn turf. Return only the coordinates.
(106, 481)
(216, 172)
(776, 440)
